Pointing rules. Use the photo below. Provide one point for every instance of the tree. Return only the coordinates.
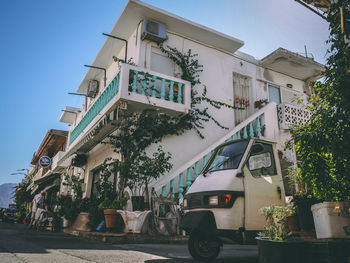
(323, 144)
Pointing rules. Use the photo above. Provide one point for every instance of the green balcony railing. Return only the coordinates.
(96, 108)
(156, 87)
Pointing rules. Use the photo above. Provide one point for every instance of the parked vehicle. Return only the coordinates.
(224, 201)
(13, 206)
(9, 215)
(2, 210)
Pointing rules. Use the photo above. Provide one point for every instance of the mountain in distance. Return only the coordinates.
(6, 194)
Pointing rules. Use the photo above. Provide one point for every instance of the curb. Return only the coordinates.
(128, 238)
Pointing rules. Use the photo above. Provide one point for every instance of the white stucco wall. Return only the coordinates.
(217, 76)
(96, 157)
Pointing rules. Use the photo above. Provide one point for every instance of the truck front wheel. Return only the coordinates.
(203, 247)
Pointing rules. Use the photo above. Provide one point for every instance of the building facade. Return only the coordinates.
(266, 90)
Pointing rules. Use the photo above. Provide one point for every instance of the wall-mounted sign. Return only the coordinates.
(45, 161)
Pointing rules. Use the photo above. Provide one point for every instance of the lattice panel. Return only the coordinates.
(289, 114)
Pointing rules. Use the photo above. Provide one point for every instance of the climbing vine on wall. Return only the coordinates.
(137, 131)
(191, 69)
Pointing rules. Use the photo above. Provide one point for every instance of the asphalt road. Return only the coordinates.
(19, 244)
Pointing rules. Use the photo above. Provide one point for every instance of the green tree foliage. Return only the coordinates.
(23, 197)
(323, 144)
(74, 183)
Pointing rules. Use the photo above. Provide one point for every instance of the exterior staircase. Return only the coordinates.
(263, 123)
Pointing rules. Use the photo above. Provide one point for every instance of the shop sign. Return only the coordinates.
(45, 161)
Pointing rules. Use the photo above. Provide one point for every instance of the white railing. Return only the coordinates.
(262, 123)
(289, 114)
(140, 87)
(55, 160)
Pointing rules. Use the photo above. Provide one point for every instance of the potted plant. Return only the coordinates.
(302, 202)
(68, 208)
(274, 243)
(332, 219)
(113, 219)
(260, 103)
(82, 220)
(292, 220)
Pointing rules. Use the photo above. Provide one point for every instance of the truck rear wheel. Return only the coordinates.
(203, 247)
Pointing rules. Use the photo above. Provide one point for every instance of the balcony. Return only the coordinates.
(289, 114)
(55, 167)
(293, 64)
(133, 89)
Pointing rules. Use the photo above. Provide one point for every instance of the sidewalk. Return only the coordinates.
(127, 238)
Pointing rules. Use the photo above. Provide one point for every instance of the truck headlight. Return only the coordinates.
(213, 200)
(185, 203)
(222, 200)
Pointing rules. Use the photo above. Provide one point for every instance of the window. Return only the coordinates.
(228, 156)
(274, 94)
(241, 87)
(262, 163)
(161, 63)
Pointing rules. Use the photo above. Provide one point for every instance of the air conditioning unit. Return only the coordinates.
(79, 160)
(92, 88)
(153, 31)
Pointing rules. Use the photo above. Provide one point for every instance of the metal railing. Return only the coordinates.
(181, 180)
(96, 108)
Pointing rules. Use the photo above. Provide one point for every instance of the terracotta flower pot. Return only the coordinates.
(292, 223)
(110, 218)
(81, 222)
(114, 221)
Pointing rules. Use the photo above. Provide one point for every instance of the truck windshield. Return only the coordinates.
(228, 156)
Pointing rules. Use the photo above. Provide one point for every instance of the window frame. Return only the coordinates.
(279, 91)
(273, 162)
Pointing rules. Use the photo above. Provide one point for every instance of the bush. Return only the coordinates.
(277, 225)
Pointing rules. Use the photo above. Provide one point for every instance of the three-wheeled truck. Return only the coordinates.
(224, 201)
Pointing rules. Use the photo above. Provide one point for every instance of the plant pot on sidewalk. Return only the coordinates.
(304, 214)
(114, 221)
(271, 251)
(332, 219)
(80, 223)
(292, 223)
(110, 218)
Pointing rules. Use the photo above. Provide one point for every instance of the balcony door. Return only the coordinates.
(161, 63)
(274, 94)
(241, 93)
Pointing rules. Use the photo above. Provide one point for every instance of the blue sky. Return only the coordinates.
(44, 45)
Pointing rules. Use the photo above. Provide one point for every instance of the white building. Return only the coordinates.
(230, 76)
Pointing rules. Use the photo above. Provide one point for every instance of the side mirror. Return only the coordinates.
(241, 174)
(257, 148)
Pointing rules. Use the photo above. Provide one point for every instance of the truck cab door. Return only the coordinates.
(262, 183)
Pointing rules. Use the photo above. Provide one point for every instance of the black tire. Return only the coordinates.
(203, 247)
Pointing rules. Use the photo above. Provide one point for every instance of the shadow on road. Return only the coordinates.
(17, 238)
(219, 260)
